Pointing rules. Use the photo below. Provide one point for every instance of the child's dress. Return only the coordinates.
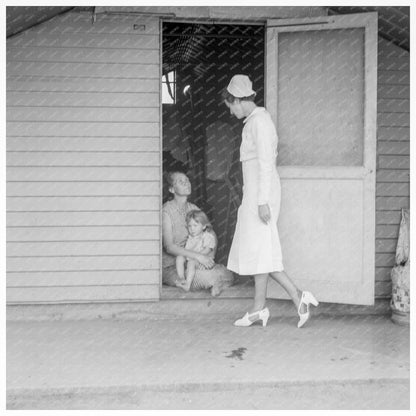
(199, 242)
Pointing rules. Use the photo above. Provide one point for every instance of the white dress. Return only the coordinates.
(256, 246)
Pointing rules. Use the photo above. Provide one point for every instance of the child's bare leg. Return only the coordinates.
(180, 268)
(190, 274)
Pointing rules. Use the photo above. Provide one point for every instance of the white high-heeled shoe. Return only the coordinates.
(249, 319)
(306, 299)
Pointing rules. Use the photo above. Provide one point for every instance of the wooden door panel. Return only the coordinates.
(321, 91)
(321, 232)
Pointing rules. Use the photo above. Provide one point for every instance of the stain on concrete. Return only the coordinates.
(238, 353)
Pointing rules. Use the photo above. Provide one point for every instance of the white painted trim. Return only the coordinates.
(207, 21)
(370, 153)
(271, 72)
(160, 155)
(323, 22)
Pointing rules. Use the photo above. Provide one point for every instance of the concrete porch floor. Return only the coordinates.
(204, 362)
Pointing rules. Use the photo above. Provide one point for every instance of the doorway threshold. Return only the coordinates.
(229, 292)
(243, 287)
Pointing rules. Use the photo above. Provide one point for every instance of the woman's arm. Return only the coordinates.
(207, 250)
(176, 250)
(265, 137)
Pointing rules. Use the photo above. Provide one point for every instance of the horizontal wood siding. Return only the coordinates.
(83, 160)
(393, 157)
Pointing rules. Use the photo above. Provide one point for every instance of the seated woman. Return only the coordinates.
(175, 234)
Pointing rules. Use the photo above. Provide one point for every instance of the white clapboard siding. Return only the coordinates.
(398, 77)
(393, 119)
(82, 218)
(393, 189)
(86, 41)
(393, 176)
(77, 158)
(385, 259)
(394, 148)
(386, 245)
(73, 84)
(82, 203)
(393, 157)
(77, 69)
(393, 91)
(82, 173)
(392, 203)
(79, 144)
(107, 188)
(82, 248)
(83, 99)
(382, 274)
(81, 114)
(81, 293)
(392, 64)
(86, 233)
(387, 231)
(384, 287)
(81, 54)
(394, 162)
(388, 217)
(81, 23)
(73, 263)
(78, 129)
(393, 134)
(79, 278)
(83, 160)
(393, 105)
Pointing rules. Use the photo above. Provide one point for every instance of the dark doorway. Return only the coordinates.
(199, 135)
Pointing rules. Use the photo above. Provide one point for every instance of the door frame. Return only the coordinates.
(202, 21)
(368, 21)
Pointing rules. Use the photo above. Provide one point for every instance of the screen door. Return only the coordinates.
(321, 84)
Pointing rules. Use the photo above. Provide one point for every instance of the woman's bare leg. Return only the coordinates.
(190, 274)
(180, 268)
(260, 282)
(286, 282)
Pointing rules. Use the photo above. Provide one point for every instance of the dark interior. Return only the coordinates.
(200, 137)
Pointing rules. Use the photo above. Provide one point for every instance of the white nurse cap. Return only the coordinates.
(240, 86)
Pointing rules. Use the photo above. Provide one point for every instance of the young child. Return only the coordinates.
(200, 240)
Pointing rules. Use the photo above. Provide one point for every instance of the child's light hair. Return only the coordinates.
(200, 217)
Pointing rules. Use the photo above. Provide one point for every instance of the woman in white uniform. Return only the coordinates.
(256, 249)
